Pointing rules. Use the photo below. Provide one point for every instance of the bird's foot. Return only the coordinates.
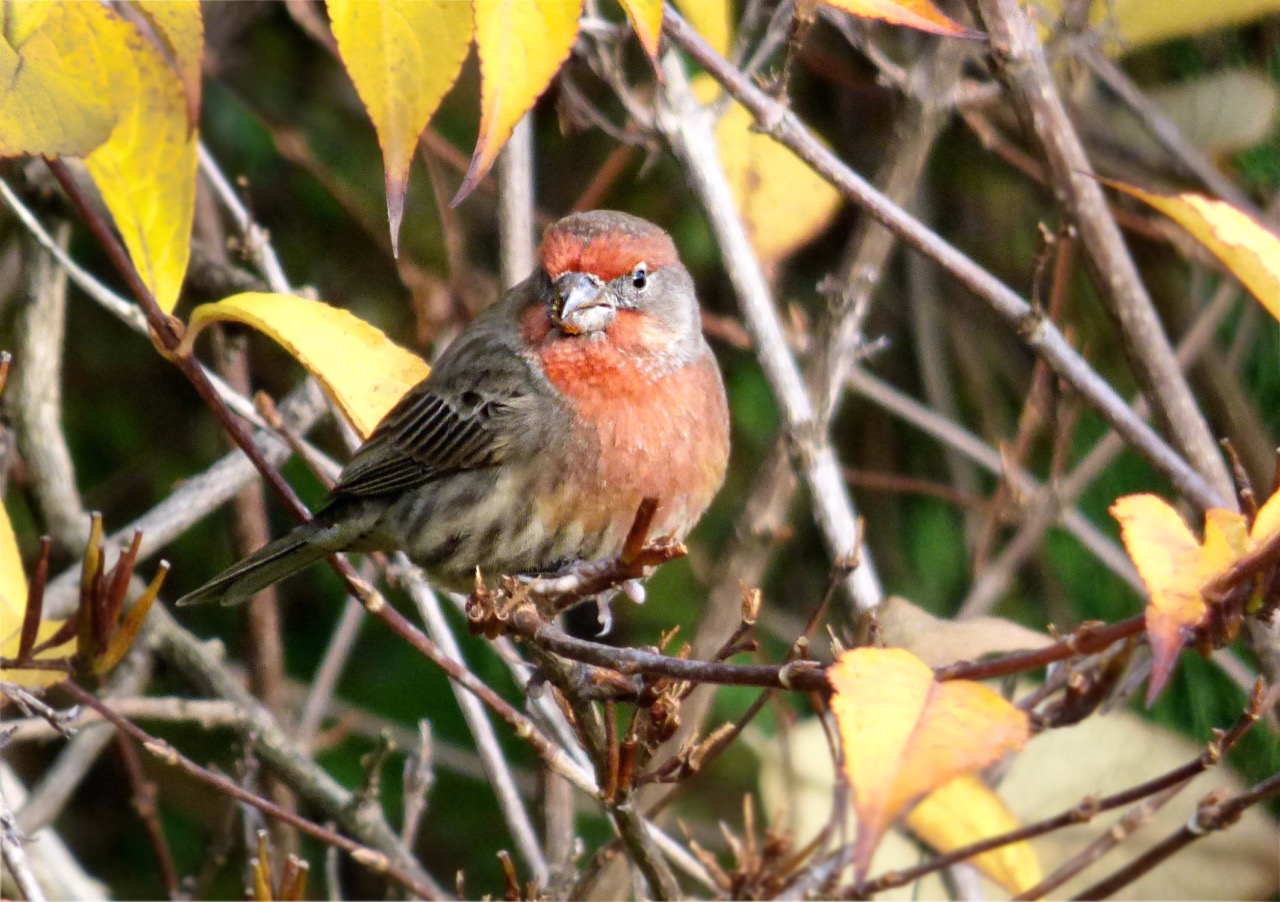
(632, 588)
(570, 579)
(578, 580)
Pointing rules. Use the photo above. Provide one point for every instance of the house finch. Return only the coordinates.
(584, 390)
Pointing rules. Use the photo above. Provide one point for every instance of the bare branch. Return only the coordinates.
(1020, 61)
(1041, 336)
(171, 756)
(686, 126)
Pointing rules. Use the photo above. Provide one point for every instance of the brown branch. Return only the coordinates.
(1019, 60)
(805, 676)
(364, 855)
(1087, 639)
(144, 803)
(522, 618)
(899, 484)
(1212, 815)
(1043, 337)
(14, 858)
(601, 743)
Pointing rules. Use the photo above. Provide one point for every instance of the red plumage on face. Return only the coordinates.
(605, 254)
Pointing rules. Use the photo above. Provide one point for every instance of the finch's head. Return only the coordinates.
(603, 263)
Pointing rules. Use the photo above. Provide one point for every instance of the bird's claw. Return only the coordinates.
(632, 588)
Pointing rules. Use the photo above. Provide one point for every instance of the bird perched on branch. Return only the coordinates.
(584, 390)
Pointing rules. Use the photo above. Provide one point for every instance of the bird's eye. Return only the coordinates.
(640, 277)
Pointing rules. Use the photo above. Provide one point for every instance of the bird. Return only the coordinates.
(528, 449)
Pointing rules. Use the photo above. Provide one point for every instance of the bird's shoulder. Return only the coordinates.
(479, 406)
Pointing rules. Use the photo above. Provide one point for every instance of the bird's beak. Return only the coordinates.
(581, 304)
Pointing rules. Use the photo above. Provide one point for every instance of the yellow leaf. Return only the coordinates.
(1174, 567)
(646, 19)
(20, 19)
(966, 811)
(59, 95)
(1136, 23)
(1246, 247)
(180, 26)
(783, 203)
(403, 56)
(146, 171)
(710, 18)
(521, 45)
(13, 581)
(903, 734)
(1267, 523)
(363, 371)
(920, 14)
(13, 603)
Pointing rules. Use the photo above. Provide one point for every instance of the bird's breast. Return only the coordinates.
(642, 427)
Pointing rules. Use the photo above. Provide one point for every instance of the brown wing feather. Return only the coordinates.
(424, 437)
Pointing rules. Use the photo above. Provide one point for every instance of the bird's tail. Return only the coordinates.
(303, 546)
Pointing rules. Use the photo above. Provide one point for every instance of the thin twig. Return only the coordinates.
(686, 126)
(1212, 815)
(780, 123)
(1088, 809)
(371, 858)
(260, 249)
(15, 859)
(1166, 133)
(633, 830)
(275, 747)
(515, 204)
(953, 435)
(63, 777)
(208, 714)
(325, 680)
(1045, 505)
(473, 712)
(144, 803)
(198, 495)
(1020, 62)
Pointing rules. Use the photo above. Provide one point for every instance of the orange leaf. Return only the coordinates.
(1174, 566)
(920, 14)
(646, 19)
(903, 734)
(1243, 245)
(521, 45)
(403, 56)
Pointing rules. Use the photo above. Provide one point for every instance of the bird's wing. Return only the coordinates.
(425, 436)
